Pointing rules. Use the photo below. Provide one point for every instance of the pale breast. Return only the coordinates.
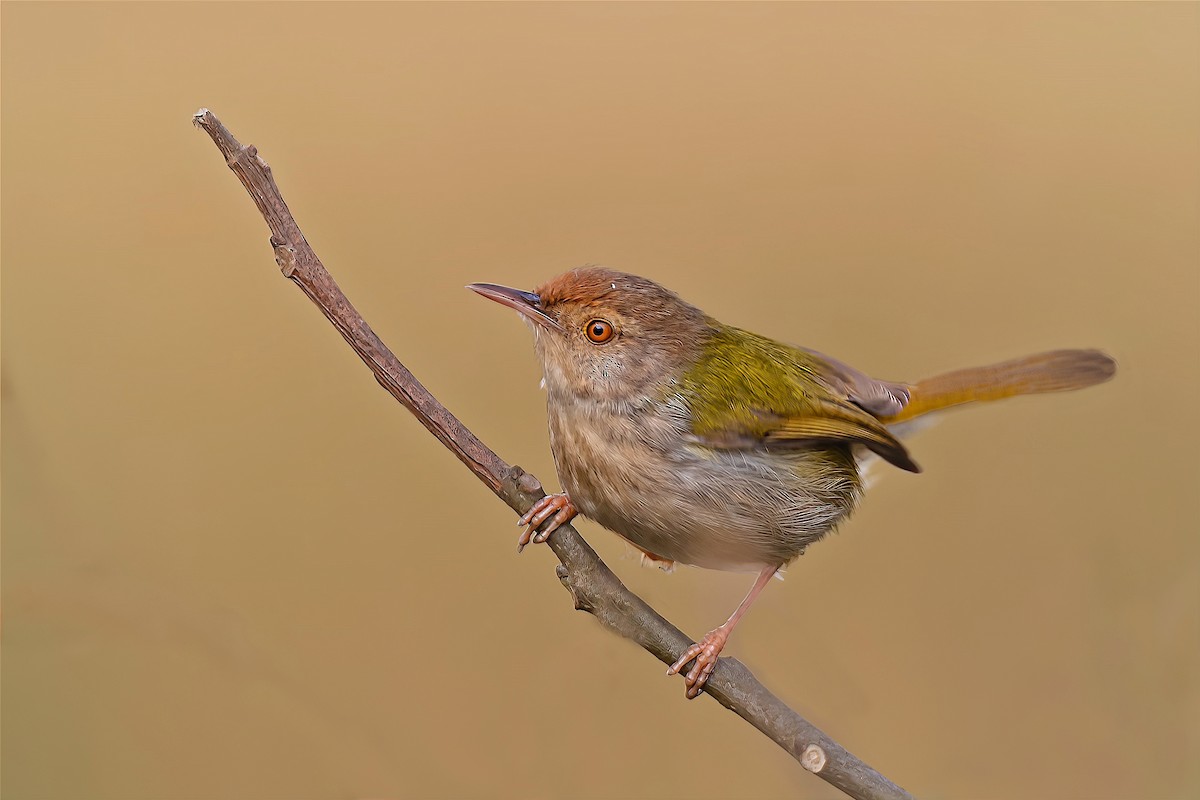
(633, 469)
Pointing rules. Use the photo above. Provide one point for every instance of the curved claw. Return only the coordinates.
(557, 508)
(705, 652)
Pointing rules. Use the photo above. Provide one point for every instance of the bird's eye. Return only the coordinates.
(599, 331)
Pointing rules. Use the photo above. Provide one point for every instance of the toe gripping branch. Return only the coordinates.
(547, 515)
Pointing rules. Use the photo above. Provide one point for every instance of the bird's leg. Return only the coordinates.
(709, 648)
(554, 507)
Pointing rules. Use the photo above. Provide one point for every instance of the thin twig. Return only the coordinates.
(591, 583)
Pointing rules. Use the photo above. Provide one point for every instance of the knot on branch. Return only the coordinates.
(244, 153)
(813, 759)
(527, 482)
(581, 602)
(521, 489)
(285, 257)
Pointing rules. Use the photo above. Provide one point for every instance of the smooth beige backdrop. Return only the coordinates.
(234, 568)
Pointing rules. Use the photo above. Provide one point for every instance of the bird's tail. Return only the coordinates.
(1056, 371)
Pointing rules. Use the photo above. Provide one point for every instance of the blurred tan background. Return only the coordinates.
(233, 567)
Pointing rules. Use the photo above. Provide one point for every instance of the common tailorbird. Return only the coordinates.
(700, 443)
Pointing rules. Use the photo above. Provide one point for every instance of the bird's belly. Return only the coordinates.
(721, 509)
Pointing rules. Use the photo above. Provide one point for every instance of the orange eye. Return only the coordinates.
(599, 331)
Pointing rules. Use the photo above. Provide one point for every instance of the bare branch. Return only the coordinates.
(591, 583)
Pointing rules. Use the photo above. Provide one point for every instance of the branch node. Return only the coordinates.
(244, 153)
(813, 759)
(285, 257)
(564, 576)
(526, 482)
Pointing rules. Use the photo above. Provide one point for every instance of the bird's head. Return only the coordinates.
(606, 335)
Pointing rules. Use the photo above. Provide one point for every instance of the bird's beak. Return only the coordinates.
(527, 304)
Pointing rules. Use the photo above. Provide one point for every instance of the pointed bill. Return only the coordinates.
(527, 304)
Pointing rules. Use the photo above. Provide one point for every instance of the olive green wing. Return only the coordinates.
(832, 421)
(747, 391)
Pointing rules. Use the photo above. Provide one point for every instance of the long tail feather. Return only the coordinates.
(1056, 371)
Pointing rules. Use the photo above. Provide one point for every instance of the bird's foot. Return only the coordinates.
(556, 508)
(705, 652)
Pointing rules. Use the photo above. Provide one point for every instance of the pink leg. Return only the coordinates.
(709, 648)
(556, 506)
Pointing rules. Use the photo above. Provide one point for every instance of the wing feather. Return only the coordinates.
(746, 391)
(832, 421)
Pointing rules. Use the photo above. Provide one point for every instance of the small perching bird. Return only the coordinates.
(700, 443)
